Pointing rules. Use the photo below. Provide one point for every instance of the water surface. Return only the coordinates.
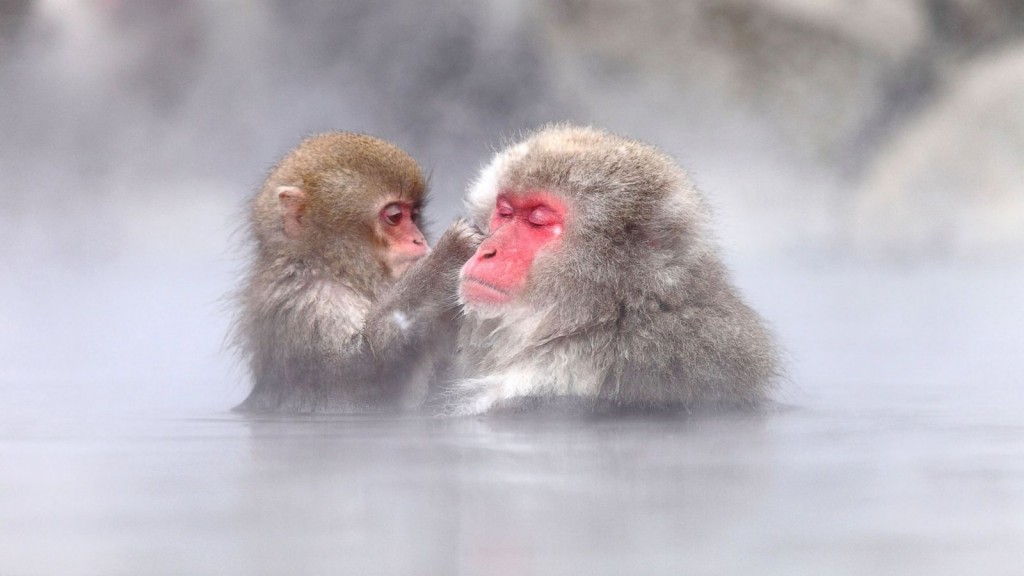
(898, 449)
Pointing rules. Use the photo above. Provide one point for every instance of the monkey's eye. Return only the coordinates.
(542, 216)
(415, 214)
(391, 214)
(504, 209)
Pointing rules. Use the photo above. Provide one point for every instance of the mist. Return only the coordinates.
(865, 162)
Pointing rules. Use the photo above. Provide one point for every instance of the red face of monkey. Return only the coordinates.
(405, 243)
(521, 226)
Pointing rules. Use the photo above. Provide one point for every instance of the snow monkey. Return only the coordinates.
(334, 226)
(598, 284)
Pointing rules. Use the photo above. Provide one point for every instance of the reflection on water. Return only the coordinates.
(881, 489)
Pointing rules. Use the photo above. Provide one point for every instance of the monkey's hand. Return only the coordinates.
(426, 293)
(457, 245)
(437, 275)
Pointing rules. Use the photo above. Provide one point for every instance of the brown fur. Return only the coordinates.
(302, 306)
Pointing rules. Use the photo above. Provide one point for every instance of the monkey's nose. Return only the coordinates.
(488, 253)
(419, 241)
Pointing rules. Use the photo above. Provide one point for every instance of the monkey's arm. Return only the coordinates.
(421, 306)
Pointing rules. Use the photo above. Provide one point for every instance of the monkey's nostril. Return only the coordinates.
(489, 253)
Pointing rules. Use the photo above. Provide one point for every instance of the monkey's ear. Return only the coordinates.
(293, 208)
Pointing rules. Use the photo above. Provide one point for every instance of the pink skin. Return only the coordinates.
(406, 243)
(521, 226)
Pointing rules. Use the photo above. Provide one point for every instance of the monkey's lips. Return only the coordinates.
(476, 291)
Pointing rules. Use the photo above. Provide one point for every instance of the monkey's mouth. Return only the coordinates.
(475, 291)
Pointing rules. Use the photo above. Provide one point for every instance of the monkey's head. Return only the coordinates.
(578, 213)
(344, 199)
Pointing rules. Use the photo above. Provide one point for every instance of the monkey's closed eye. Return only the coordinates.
(541, 216)
(504, 209)
(391, 214)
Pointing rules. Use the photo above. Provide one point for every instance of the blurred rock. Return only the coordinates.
(779, 107)
(953, 182)
(968, 27)
(13, 16)
(807, 77)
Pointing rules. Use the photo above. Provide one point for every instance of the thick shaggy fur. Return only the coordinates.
(632, 308)
(303, 304)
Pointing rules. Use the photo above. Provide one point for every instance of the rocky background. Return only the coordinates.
(879, 135)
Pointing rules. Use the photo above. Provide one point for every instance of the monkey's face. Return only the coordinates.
(521, 227)
(403, 243)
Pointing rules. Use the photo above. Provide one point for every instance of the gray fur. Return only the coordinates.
(634, 308)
